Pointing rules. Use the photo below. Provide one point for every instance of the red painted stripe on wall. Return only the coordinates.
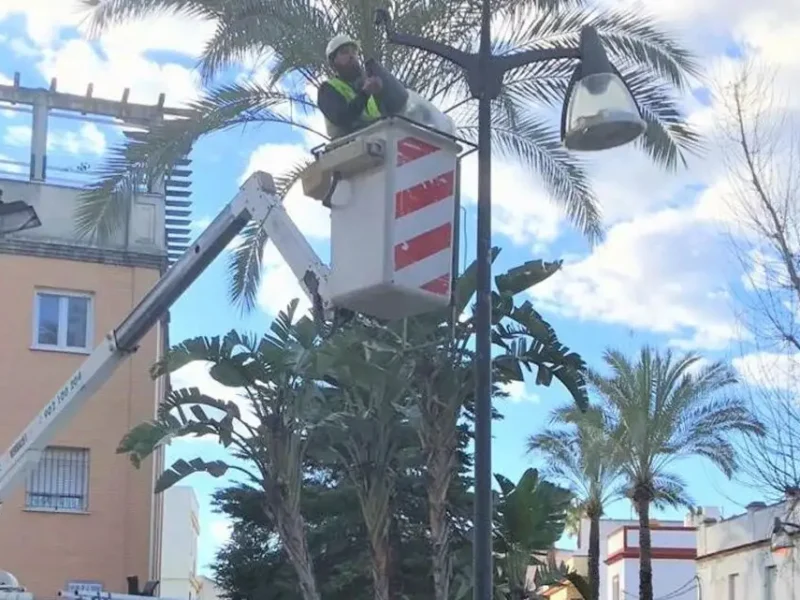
(424, 194)
(422, 246)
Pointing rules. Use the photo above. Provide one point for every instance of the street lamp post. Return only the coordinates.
(17, 216)
(599, 113)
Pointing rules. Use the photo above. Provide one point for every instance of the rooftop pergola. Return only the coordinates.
(131, 117)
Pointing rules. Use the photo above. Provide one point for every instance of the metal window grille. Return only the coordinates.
(60, 481)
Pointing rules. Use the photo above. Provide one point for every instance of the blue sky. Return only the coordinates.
(663, 275)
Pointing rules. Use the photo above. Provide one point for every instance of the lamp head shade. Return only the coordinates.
(599, 111)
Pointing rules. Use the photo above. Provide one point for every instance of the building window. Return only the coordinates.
(732, 579)
(615, 587)
(60, 481)
(62, 321)
(771, 582)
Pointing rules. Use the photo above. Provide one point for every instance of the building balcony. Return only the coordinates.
(55, 204)
(667, 542)
(47, 162)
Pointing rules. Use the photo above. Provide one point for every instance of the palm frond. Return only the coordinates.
(104, 14)
(630, 37)
(669, 489)
(139, 160)
(651, 60)
(530, 341)
(270, 26)
(635, 37)
(663, 411)
(652, 64)
(580, 451)
(668, 138)
(102, 210)
(245, 262)
(541, 83)
(537, 144)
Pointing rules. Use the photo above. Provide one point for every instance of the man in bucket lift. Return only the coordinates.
(349, 100)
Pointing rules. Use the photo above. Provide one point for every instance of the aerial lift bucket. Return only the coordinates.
(392, 189)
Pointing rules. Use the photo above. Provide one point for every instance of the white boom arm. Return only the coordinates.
(256, 201)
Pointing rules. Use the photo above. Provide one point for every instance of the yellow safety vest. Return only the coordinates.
(371, 111)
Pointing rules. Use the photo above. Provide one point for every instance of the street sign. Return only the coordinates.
(84, 588)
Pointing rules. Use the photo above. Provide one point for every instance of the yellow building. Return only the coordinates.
(567, 591)
(84, 516)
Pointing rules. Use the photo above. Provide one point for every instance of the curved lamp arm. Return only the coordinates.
(454, 55)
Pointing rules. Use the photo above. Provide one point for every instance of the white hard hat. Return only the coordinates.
(8, 581)
(337, 42)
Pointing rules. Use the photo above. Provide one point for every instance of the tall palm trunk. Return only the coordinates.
(292, 530)
(380, 551)
(375, 498)
(642, 502)
(594, 555)
(395, 572)
(440, 472)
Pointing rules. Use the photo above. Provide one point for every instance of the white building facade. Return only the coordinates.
(209, 590)
(741, 558)
(674, 550)
(181, 530)
(609, 528)
(673, 561)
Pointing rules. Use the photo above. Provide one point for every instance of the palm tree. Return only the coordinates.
(653, 64)
(367, 433)
(530, 517)
(583, 456)
(661, 408)
(267, 434)
(443, 384)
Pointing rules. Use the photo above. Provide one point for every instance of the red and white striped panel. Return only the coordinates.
(424, 211)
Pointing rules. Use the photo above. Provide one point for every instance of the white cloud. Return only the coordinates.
(769, 370)
(518, 392)
(709, 25)
(88, 139)
(22, 48)
(667, 264)
(196, 374)
(76, 64)
(664, 272)
(521, 209)
(18, 135)
(309, 215)
(279, 286)
(120, 60)
(8, 165)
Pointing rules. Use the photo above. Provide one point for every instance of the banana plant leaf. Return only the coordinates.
(182, 468)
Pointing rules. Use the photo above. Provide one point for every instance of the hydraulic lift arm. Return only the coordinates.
(256, 201)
